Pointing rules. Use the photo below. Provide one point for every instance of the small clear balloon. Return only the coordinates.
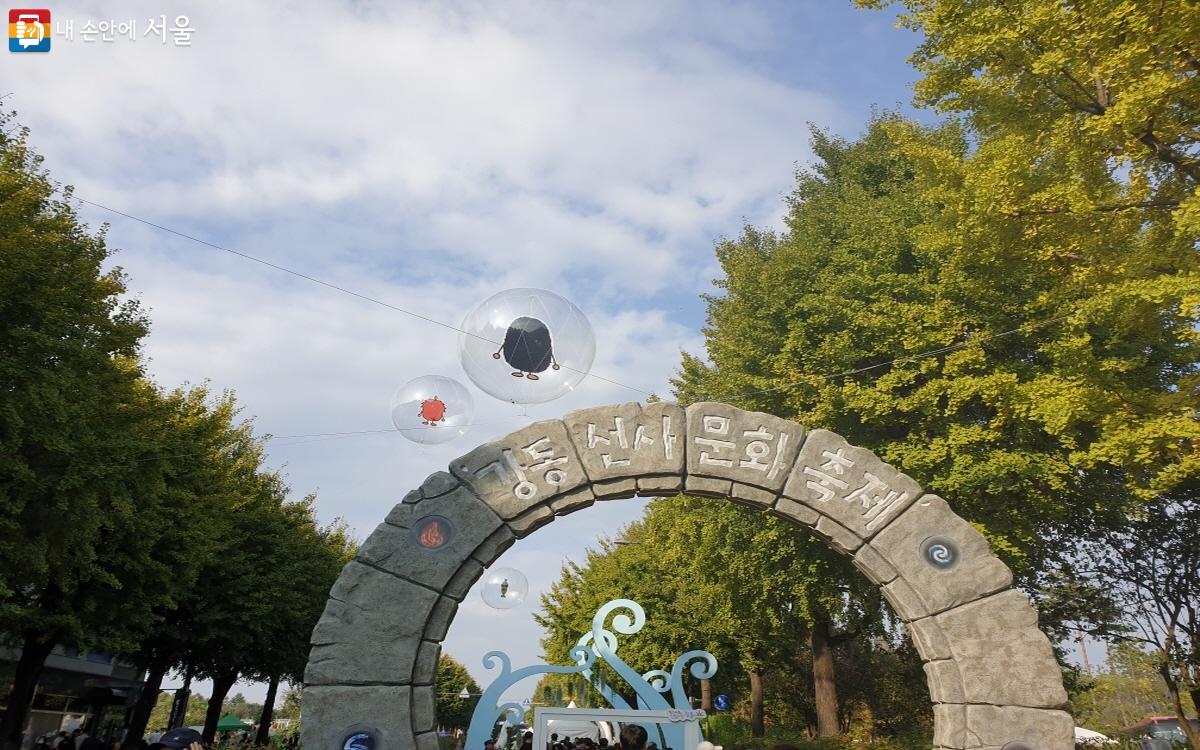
(432, 409)
(504, 588)
(527, 346)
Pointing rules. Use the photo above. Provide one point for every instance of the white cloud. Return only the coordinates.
(530, 140)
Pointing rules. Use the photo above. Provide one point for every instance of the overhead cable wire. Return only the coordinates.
(419, 316)
(330, 285)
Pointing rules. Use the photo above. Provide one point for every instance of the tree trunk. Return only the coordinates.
(146, 703)
(179, 706)
(756, 705)
(34, 651)
(1192, 734)
(706, 695)
(221, 685)
(824, 681)
(264, 721)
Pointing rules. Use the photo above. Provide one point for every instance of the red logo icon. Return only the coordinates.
(29, 30)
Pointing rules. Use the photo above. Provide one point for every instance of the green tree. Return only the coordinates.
(1128, 690)
(1151, 569)
(453, 711)
(1058, 391)
(290, 708)
(161, 714)
(219, 467)
(241, 708)
(94, 517)
(1107, 84)
(312, 557)
(751, 589)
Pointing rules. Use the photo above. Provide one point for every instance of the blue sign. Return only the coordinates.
(721, 702)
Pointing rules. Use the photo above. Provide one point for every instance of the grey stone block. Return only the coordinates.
(945, 682)
(437, 484)
(849, 484)
(412, 498)
(523, 469)
(369, 630)
(941, 556)
(993, 727)
(748, 447)
(838, 536)
(425, 671)
(423, 709)
(626, 441)
(793, 511)
(400, 515)
(427, 741)
(1002, 656)
(659, 486)
(530, 521)
(462, 581)
(614, 489)
(332, 713)
(929, 639)
(877, 570)
(753, 496)
(398, 551)
(494, 546)
(950, 726)
(440, 619)
(904, 600)
(569, 502)
(705, 487)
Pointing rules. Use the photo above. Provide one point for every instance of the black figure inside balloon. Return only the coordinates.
(527, 348)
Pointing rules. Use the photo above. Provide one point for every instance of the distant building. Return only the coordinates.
(96, 690)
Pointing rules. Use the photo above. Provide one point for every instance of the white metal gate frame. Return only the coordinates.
(689, 719)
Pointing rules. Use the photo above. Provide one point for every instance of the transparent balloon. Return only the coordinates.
(504, 588)
(527, 346)
(432, 409)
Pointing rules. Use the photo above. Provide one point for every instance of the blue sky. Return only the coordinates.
(429, 155)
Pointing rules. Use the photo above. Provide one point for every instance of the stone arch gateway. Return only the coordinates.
(992, 675)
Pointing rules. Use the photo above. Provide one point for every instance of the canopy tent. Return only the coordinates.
(231, 723)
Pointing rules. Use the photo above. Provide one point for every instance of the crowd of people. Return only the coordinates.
(632, 737)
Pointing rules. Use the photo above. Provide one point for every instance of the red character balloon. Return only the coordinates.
(433, 411)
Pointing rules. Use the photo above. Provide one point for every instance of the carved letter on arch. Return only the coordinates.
(991, 672)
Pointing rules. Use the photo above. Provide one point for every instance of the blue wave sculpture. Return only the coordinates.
(599, 644)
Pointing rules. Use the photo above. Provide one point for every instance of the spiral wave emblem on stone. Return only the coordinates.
(940, 553)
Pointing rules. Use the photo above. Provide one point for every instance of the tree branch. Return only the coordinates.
(1167, 154)
(1022, 213)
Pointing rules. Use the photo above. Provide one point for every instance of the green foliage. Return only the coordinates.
(161, 715)
(241, 708)
(1060, 387)
(1098, 87)
(453, 711)
(1129, 690)
(131, 519)
(747, 588)
(73, 419)
(290, 707)
(561, 689)
(1151, 569)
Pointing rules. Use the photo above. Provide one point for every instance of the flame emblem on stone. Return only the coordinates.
(433, 533)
